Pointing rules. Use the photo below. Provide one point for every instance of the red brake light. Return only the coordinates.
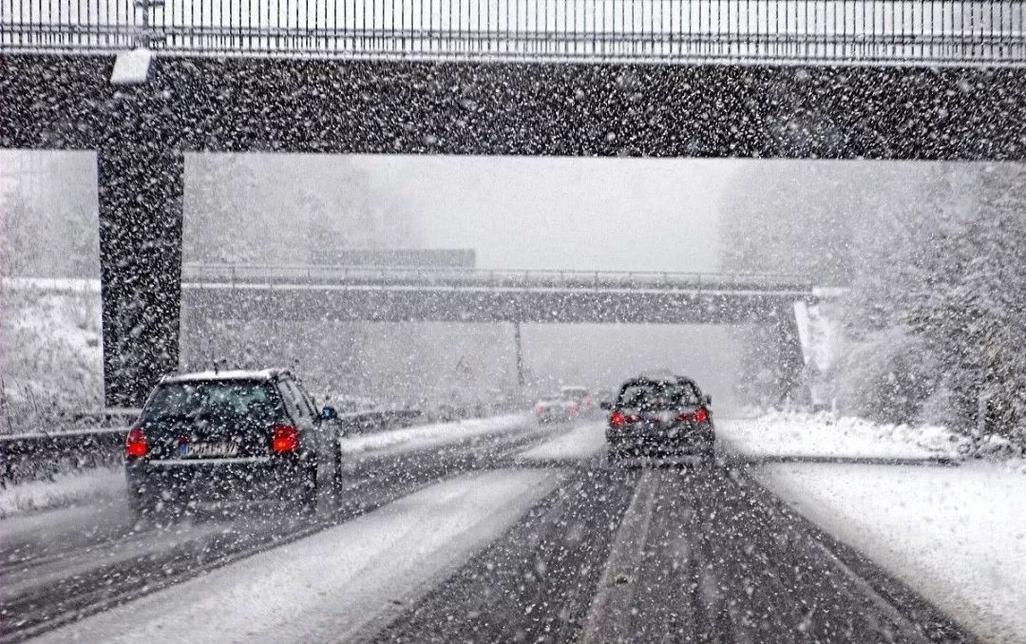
(617, 419)
(284, 439)
(135, 443)
(700, 415)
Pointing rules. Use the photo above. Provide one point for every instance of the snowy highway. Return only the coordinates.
(485, 530)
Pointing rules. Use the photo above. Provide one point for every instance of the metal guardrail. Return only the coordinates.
(26, 457)
(931, 32)
(427, 277)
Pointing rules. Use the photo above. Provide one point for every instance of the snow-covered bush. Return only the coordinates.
(886, 377)
(935, 264)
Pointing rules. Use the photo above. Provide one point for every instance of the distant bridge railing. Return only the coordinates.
(428, 277)
(931, 32)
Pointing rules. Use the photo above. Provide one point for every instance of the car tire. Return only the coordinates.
(336, 475)
(709, 455)
(614, 456)
(141, 507)
(309, 493)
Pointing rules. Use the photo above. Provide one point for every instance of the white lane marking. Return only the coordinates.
(333, 585)
(608, 616)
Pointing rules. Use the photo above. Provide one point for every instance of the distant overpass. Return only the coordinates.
(458, 295)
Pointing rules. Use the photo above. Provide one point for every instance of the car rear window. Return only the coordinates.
(220, 398)
(658, 395)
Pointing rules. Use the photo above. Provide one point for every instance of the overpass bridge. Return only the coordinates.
(399, 294)
(403, 294)
(824, 79)
(932, 32)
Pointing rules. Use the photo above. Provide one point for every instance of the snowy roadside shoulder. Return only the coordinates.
(428, 436)
(792, 434)
(953, 534)
(64, 489)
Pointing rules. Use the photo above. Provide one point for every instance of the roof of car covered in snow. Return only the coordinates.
(671, 379)
(228, 374)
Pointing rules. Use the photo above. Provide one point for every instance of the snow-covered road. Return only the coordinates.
(500, 528)
(421, 437)
(586, 440)
(330, 585)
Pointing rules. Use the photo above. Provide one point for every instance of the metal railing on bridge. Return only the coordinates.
(427, 277)
(934, 32)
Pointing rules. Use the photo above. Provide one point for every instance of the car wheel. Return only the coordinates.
(336, 475)
(709, 455)
(309, 492)
(615, 455)
(141, 507)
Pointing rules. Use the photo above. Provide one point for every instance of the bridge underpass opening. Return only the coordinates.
(814, 218)
(51, 335)
(543, 211)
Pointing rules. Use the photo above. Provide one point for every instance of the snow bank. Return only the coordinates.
(822, 435)
(957, 535)
(580, 443)
(428, 436)
(336, 584)
(65, 489)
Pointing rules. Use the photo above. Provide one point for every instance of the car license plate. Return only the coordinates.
(209, 450)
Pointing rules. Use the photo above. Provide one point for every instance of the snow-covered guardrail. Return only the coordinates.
(36, 456)
(374, 421)
(33, 456)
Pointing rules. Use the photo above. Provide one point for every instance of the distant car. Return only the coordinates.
(656, 416)
(580, 395)
(230, 435)
(557, 409)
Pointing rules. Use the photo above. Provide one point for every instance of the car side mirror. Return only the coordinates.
(707, 399)
(329, 413)
(605, 404)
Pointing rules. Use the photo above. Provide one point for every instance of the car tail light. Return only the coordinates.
(700, 415)
(617, 419)
(135, 443)
(574, 409)
(538, 409)
(284, 439)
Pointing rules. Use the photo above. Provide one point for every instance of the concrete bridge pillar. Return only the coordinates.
(792, 363)
(140, 192)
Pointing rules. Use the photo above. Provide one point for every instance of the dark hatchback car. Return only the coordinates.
(652, 417)
(233, 435)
